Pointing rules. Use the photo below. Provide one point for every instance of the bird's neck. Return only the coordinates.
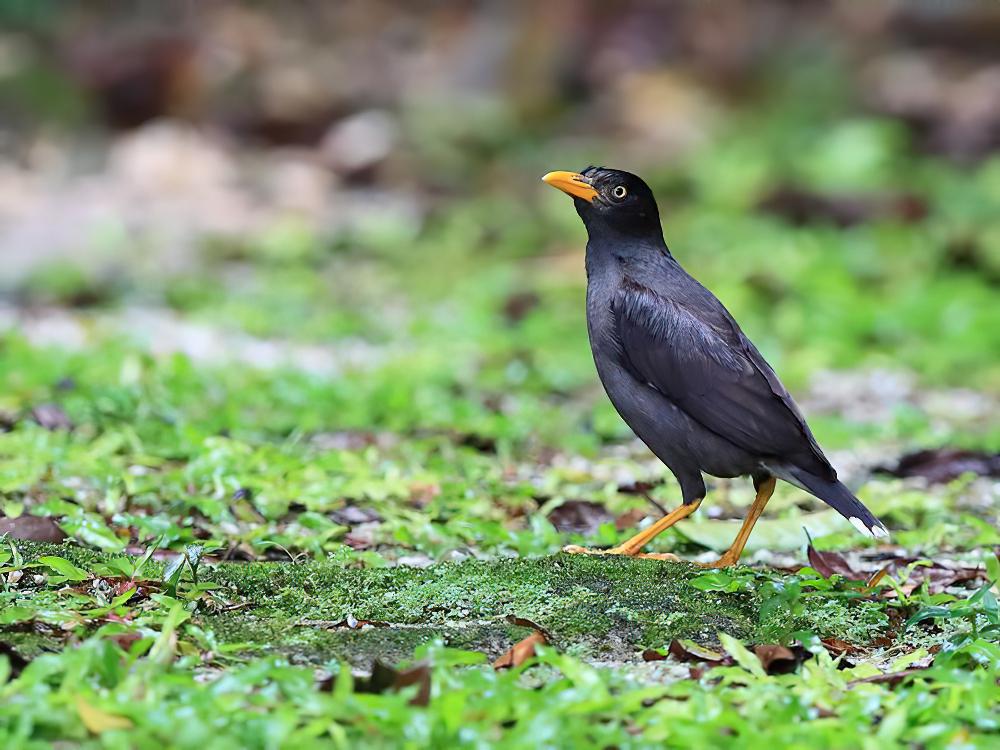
(609, 244)
(624, 236)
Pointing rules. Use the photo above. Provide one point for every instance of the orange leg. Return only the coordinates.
(632, 547)
(732, 555)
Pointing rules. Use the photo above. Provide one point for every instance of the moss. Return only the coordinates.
(604, 608)
(320, 644)
(79, 556)
(611, 608)
(28, 644)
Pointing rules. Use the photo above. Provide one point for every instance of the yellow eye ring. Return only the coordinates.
(619, 192)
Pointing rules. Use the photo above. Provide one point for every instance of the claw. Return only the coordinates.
(576, 549)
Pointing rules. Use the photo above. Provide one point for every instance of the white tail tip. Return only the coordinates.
(875, 532)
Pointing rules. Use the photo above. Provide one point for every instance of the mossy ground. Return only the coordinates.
(610, 609)
(599, 608)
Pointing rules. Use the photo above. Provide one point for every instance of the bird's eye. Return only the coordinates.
(619, 192)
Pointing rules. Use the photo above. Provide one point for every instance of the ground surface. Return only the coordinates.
(288, 454)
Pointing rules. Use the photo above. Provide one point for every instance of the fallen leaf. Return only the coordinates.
(51, 417)
(941, 465)
(524, 622)
(950, 110)
(652, 654)
(384, 678)
(579, 517)
(686, 650)
(630, 519)
(32, 528)
(520, 652)
(876, 577)
(638, 488)
(354, 515)
(481, 443)
(354, 623)
(344, 440)
(121, 585)
(776, 659)
(893, 678)
(350, 622)
(359, 541)
(938, 577)
(839, 647)
(831, 563)
(421, 493)
(98, 721)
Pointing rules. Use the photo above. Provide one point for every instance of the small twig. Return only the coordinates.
(663, 511)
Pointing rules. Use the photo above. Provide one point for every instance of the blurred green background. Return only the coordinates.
(227, 226)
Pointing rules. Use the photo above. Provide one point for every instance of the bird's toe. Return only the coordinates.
(658, 556)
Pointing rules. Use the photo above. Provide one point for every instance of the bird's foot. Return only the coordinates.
(726, 561)
(576, 549)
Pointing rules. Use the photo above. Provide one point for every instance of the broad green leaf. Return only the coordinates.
(718, 580)
(11, 615)
(741, 655)
(64, 568)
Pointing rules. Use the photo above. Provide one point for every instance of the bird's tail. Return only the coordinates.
(838, 497)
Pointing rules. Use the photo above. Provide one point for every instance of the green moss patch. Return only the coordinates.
(612, 608)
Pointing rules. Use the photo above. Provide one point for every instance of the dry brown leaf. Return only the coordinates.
(942, 465)
(355, 515)
(838, 646)
(420, 676)
(893, 678)
(384, 677)
(685, 650)
(876, 577)
(32, 528)
(830, 563)
(651, 654)
(579, 517)
(524, 622)
(520, 652)
(630, 519)
(51, 417)
(776, 659)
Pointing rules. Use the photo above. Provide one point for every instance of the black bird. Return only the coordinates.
(681, 373)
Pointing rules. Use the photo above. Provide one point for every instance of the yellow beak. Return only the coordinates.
(571, 183)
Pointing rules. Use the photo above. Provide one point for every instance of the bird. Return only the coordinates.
(682, 374)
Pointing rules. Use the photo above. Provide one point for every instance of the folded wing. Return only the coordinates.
(699, 359)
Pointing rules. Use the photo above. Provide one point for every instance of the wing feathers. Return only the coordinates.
(701, 361)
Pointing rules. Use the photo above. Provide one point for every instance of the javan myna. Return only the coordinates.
(680, 371)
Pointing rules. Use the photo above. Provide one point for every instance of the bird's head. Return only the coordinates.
(610, 198)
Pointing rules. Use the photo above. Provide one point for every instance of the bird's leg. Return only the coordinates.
(632, 547)
(732, 555)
